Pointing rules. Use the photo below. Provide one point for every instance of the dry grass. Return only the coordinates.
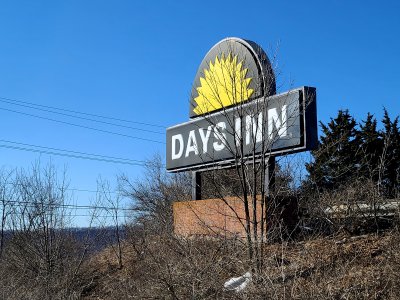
(362, 267)
(163, 267)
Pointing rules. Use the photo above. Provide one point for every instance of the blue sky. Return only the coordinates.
(136, 60)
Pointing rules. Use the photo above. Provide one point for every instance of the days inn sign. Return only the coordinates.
(235, 112)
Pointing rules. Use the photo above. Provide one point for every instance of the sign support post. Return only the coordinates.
(269, 182)
(196, 185)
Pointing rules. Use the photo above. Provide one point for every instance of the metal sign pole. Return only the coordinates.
(196, 185)
(269, 183)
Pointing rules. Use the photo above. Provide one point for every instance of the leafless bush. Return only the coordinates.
(109, 205)
(356, 207)
(7, 193)
(152, 197)
(163, 267)
(42, 259)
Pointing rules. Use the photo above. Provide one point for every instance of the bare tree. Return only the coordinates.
(152, 195)
(42, 257)
(110, 204)
(6, 203)
(255, 128)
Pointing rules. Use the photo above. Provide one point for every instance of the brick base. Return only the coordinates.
(211, 217)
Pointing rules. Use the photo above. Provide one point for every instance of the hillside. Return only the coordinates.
(340, 267)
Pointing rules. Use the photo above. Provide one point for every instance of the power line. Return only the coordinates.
(74, 189)
(76, 152)
(109, 216)
(84, 113)
(82, 118)
(58, 205)
(124, 216)
(82, 126)
(47, 208)
(88, 191)
(70, 155)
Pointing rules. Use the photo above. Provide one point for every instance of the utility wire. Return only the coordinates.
(74, 189)
(82, 126)
(70, 155)
(88, 191)
(81, 118)
(76, 152)
(58, 205)
(109, 216)
(84, 113)
(124, 216)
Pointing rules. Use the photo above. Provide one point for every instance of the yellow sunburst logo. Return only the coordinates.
(224, 83)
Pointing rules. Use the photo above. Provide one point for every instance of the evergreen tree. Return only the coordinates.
(335, 160)
(371, 145)
(390, 158)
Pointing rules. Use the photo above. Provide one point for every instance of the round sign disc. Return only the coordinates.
(233, 72)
